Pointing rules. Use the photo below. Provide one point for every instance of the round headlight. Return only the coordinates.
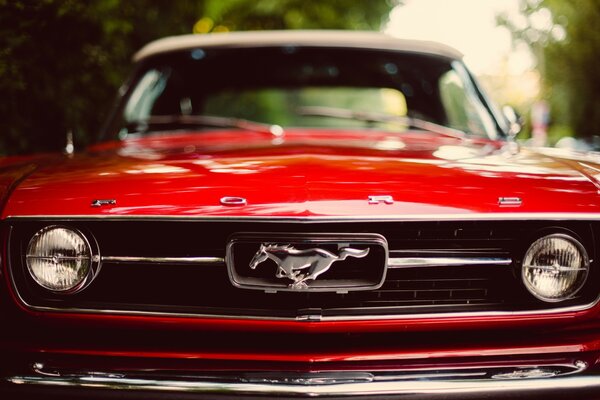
(555, 267)
(60, 259)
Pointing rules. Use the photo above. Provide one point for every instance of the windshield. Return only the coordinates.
(302, 87)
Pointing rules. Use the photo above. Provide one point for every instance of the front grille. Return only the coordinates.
(171, 287)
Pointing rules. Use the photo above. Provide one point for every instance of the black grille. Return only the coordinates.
(207, 290)
(437, 286)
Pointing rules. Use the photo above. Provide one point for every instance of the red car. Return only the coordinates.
(300, 214)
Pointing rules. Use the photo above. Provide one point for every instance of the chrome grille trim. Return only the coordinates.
(417, 262)
(164, 260)
(393, 263)
(324, 318)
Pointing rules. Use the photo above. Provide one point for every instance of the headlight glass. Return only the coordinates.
(555, 267)
(59, 259)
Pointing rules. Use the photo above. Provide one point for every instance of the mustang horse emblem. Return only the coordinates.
(291, 261)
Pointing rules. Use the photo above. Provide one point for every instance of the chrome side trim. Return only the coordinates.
(164, 260)
(513, 382)
(418, 262)
(500, 216)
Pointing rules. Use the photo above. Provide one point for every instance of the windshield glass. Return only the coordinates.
(302, 87)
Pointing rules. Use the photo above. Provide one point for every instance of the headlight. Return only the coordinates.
(555, 267)
(60, 259)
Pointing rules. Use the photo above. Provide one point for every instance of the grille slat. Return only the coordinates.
(422, 302)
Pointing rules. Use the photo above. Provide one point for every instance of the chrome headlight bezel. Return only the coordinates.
(94, 260)
(581, 281)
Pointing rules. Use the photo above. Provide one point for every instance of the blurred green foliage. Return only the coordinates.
(564, 38)
(61, 61)
(298, 14)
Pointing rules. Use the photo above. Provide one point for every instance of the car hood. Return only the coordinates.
(305, 174)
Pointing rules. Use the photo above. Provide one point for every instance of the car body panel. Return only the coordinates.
(322, 174)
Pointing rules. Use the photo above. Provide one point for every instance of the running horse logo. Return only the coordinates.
(291, 262)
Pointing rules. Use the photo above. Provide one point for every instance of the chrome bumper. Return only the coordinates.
(556, 381)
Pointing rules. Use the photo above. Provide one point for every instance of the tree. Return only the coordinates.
(563, 38)
(298, 14)
(61, 61)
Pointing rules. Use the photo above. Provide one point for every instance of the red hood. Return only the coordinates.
(322, 173)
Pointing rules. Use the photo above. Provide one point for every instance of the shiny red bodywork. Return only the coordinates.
(306, 174)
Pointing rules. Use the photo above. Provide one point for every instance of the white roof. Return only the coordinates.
(325, 38)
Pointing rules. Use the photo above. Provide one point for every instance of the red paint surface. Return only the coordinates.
(350, 356)
(311, 173)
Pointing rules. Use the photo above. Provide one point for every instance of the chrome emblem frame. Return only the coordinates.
(291, 262)
(306, 262)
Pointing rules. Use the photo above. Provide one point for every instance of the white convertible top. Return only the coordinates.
(324, 38)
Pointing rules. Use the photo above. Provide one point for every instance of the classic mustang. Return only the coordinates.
(285, 214)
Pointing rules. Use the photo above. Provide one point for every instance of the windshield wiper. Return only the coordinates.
(375, 117)
(148, 124)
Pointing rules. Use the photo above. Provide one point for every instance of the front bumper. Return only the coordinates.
(558, 381)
